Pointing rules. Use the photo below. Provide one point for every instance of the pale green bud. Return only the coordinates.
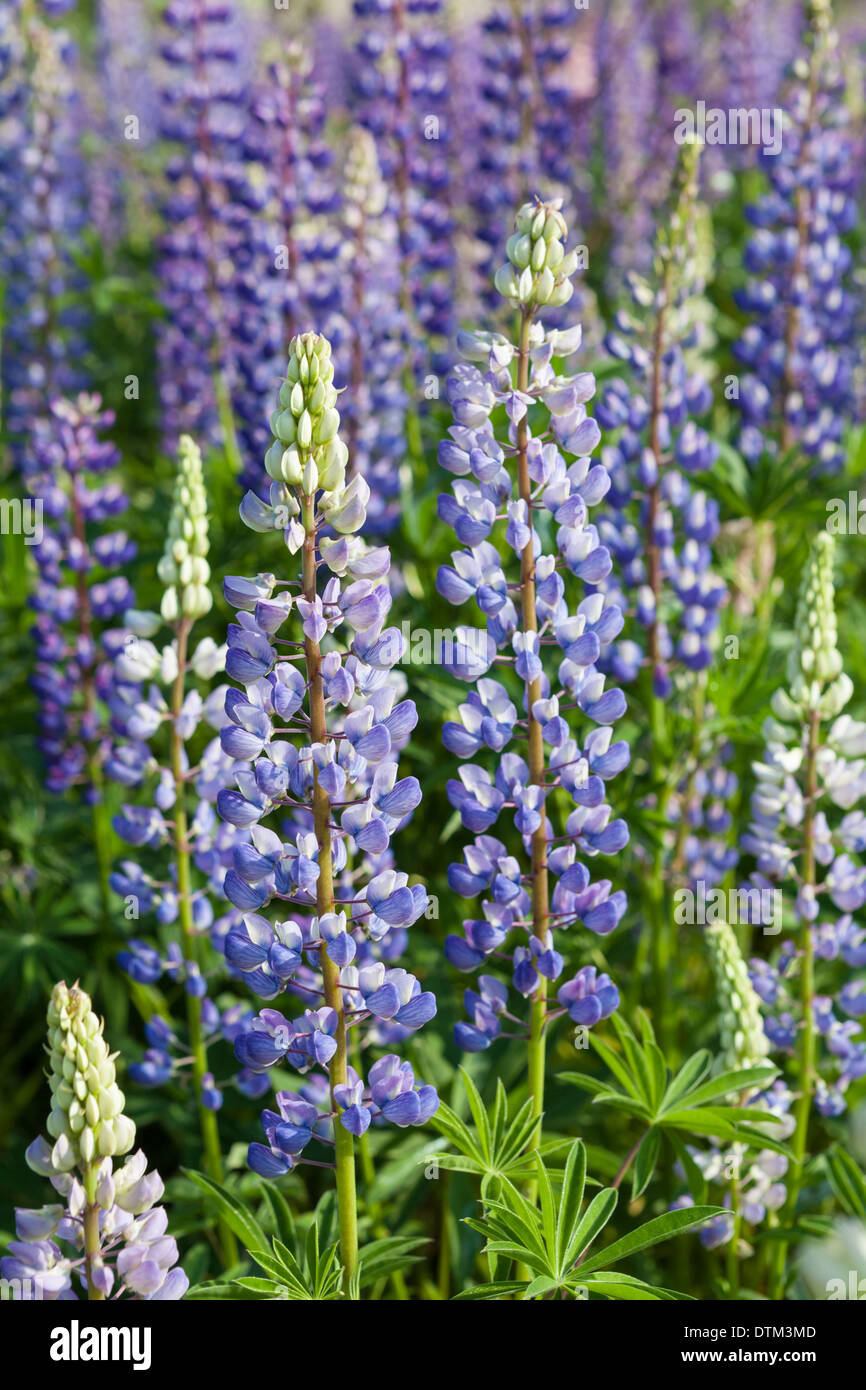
(183, 568)
(743, 1039)
(538, 270)
(86, 1116)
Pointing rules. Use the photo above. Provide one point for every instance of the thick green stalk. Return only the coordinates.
(539, 880)
(337, 1067)
(808, 1039)
(207, 1118)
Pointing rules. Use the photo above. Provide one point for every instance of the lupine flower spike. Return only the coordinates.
(138, 715)
(341, 906)
(812, 765)
(546, 630)
(107, 1238)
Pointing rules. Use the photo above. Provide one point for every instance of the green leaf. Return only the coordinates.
(645, 1163)
(697, 1183)
(479, 1114)
(235, 1214)
(280, 1211)
(586, 1083)
(688, 1076)
(660, 1228)
(479, 1292)
(573, 1186)
(847, 1181)
(594, 1220)
(214, 1293)
(743, 1079)
(617, 1066)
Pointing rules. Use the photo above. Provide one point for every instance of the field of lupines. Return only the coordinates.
(432, 833)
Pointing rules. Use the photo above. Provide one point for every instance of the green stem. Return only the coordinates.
(733, 1251)
(539, 880)
(91, 1231)
(189, 944)
(103, 836)
(808, 1039)
(338, 1066)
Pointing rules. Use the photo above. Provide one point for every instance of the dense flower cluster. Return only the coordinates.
(659, 530)
(159, 703)
(526, 481)
(78, 596)
(812, 769)
(335, 777)
(108, 1237)
(402, 83)
(41, 205)
(202, 104)
(800, 346)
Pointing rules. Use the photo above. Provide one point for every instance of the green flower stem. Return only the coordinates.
(807, 1050)
(733, 1252)
(207, 1118)
(91, 1231)
(337, 1068)
(539, 880)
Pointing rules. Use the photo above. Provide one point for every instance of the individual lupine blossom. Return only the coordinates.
(41, 203)
(659, 529)
(203, 107)
(812, 769)
(527, 117)
(799, 349)
(402, 97)
(107, 1237)
(369, 339)
(336, 777)
(156, 713)
(545, 644)
(288, 277)
(79, 597)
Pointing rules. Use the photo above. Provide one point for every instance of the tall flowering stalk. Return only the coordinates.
(206, 208)
(800, 348)
(78, 600)
(403, 49)
(41, 202)
(658, 529)
(138, 715)
(375, 401)
(336, 777)
(812, 764)
(111, 1233)
(546, 646)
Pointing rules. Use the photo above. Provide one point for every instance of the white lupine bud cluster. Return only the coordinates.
(86, 1120)
(538, 271)
(183, 567)
(815, 674)
(365, 192)
(307, 454)
(744, 1042)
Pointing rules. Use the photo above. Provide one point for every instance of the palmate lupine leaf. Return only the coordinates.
(676, 1103)
(496, 1148)
(847, 1181)
(553, 1240)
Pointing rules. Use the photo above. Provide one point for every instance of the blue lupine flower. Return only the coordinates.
(527, 710)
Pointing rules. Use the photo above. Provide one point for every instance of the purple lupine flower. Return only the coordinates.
(160, 703)
(206, 207)
(522, 710)
(658, 530)
(799, 349)
(339, 909)
(401, 81)
(810, 770)
(77, 599)
(42, 197)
